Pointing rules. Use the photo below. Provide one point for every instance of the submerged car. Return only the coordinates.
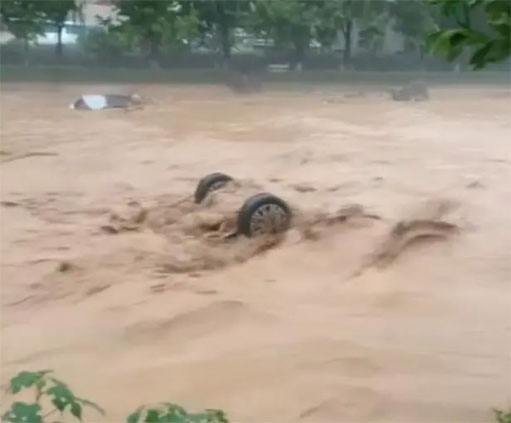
(260, 214)
(106, 101)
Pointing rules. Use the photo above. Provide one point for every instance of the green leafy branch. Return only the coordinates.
(490, 45)
(66, 402)
(171, 413)
(62, 398)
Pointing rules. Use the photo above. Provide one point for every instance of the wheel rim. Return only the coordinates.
(269, 219)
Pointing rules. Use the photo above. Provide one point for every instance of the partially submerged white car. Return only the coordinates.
(107, 101)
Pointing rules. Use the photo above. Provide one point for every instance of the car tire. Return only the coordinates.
(264, 214)
(210, 183)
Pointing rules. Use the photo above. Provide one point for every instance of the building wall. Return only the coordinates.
(393, 41)
(91, 10)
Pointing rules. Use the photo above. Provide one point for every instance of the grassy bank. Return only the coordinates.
(17, 74)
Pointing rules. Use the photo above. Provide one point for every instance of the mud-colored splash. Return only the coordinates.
(207, 232)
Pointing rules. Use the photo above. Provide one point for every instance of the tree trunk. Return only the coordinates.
(225, 45)
(58, 47)
(153, 56)
(346, 60)
(26, 47)
(422, 56)
(298, 56)
(223, 33)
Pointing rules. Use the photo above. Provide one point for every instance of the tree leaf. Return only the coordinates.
(492, 52)
(135, 416)
(442, 42)
(498, 8)
(153, 416)
(76, 410)
(26, 380)
(21, 412)
(62, 396)
(479, 58)
(502, 27)
(197, 418)
(217, 416)
(175, 409)
(458, 37)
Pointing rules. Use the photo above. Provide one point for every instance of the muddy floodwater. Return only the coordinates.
(387, 301)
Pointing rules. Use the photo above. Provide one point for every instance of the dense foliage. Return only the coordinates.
(151, 27)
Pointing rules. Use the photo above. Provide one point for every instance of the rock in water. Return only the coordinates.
(414, 91)
(244, 83)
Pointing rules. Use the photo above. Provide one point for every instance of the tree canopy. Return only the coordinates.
(152, 27)
(22, 18)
